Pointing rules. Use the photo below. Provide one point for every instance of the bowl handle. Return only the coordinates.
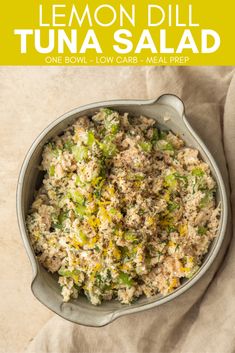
(173, 101)
(48, 293)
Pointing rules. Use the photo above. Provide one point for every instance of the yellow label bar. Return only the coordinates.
(111, 32)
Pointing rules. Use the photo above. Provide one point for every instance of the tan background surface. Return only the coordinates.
(30, 98)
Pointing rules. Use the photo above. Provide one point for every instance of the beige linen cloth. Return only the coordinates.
(200, 321)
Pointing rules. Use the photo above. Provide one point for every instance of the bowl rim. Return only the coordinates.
(224, 204)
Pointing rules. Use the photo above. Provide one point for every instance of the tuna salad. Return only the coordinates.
(125, 209)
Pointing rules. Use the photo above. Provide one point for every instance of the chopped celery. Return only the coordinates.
(51, 144)
(114, 129)
(108, 149)
(53, 147)
(107, 111)
(125, 279)
(145, 146)
(67, 273)
(202, 230)
(112, 126)
(90, 138)
(170, 181)
(139, 177)
(62, 217)
(78, 181)
(76, 197)
(164, 145)
(113, 211)
(83, 237)
(206, 199)
(129, 236)
(197, 172)
(58, 221)
(80, 210)
(52, 170)
(80, 153)
(64, 272)
(167, 147)
(111, 122)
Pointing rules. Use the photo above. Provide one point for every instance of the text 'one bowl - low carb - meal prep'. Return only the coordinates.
(125, 209)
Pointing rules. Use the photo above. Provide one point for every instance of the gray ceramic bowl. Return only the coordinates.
(169, 111)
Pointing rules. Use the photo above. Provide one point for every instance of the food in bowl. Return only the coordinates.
(125, 209)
